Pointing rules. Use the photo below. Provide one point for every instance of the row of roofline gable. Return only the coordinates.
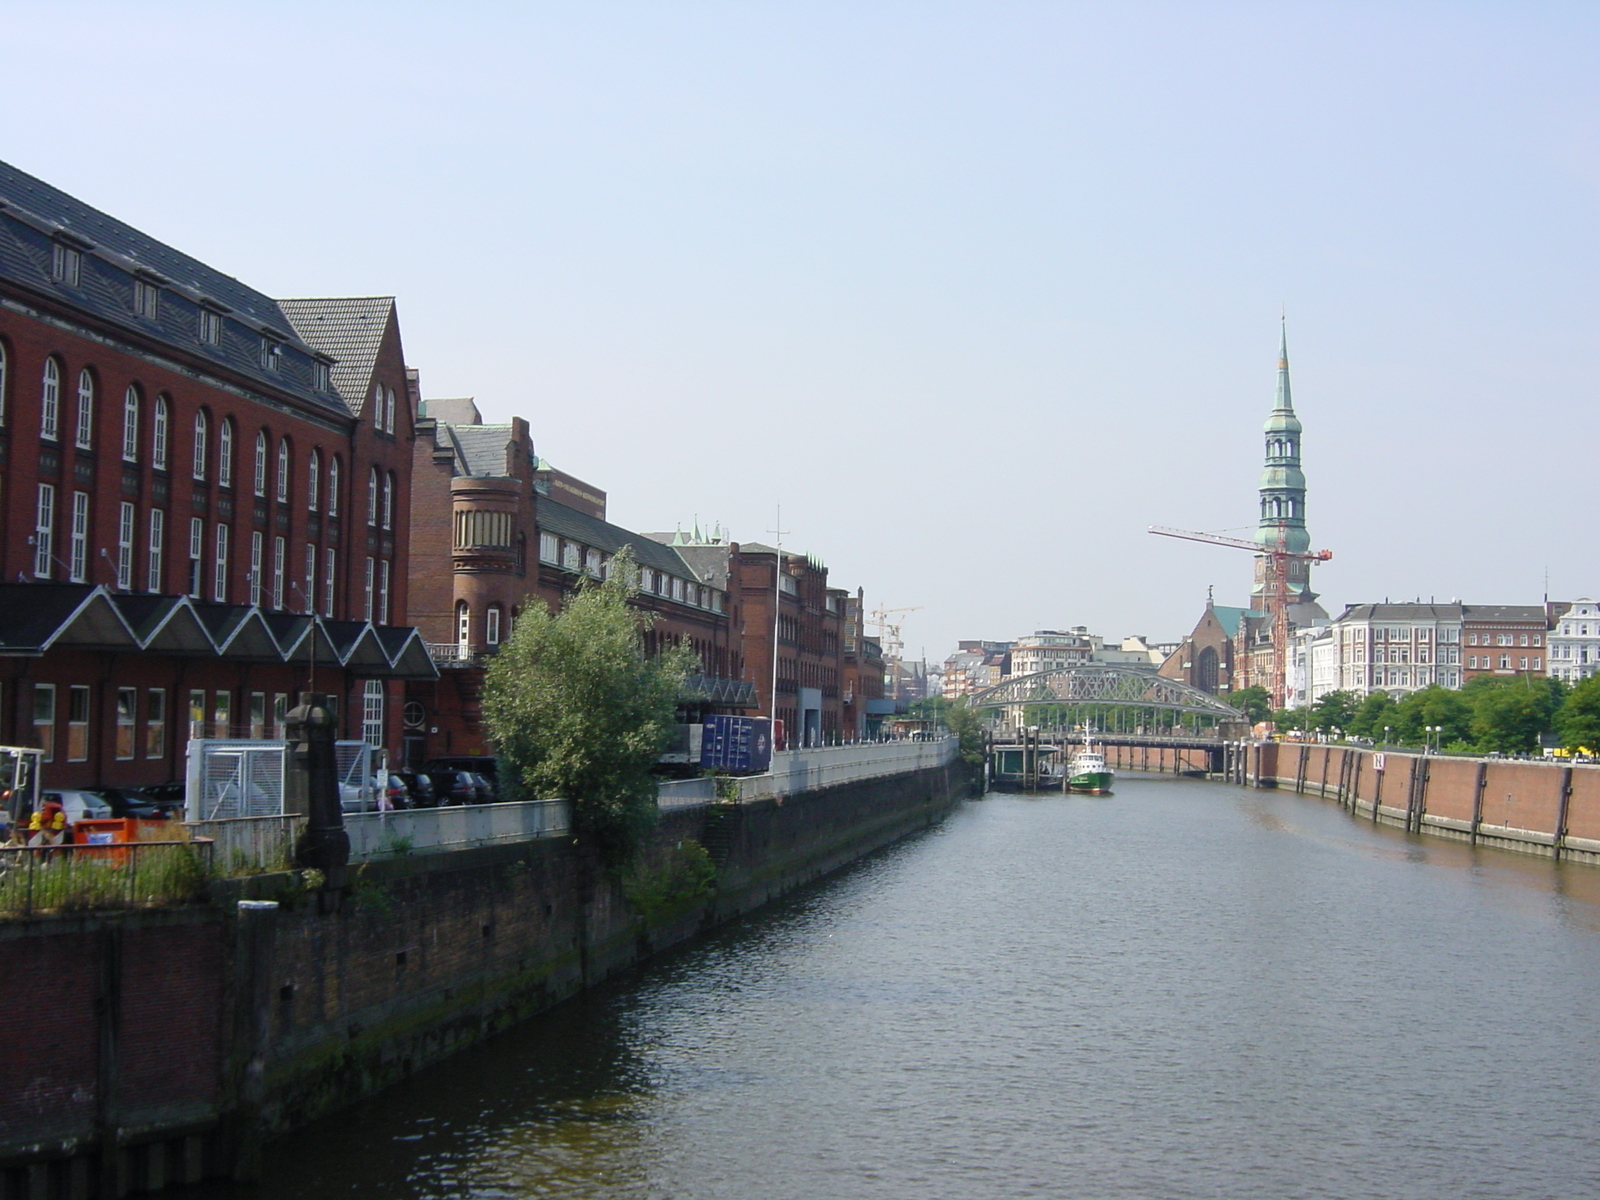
(38, 618)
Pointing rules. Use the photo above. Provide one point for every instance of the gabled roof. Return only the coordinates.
(349, 329)
(33, 214)
(38, 617)
(1229, 618)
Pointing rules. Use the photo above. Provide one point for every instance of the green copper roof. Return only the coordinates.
(1283, 419)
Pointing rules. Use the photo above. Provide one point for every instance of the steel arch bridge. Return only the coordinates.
(1111, 686)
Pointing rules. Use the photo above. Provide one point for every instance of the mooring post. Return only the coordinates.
(312, 787)
(254, 940)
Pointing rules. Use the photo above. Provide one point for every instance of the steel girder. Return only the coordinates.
(1108, 685)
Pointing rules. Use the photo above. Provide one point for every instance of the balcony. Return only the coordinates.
(450, 654)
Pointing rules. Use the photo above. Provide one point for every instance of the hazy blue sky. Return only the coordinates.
(977, 291)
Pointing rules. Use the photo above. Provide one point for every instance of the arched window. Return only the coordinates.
(261, 463)
(130, 424)
(377, 406)
(84, 435)
(283, 471)
(50, 401)
(313, 479)
(491, 625)
(463, 626)
(388, 501)
(225, 453)
(372, 497)
(388, 409)
(333, 486)
(201, 433)
(158, 435)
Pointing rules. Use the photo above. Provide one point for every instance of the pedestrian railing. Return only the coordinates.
(72, 877)
(806, 770)
(388, 834)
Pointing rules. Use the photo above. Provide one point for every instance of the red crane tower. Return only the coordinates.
(1277, 581)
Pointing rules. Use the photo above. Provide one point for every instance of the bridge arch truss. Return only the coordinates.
(1109, 686)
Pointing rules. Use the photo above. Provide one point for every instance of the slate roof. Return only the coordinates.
(569, 523)
(481, 449)
(348, 329)
(1402, 612)
(1505, 613)
(33, 215)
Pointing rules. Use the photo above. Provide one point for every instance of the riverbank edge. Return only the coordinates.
(310, 1002)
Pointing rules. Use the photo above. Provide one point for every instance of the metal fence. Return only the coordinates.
(387, 834)
(70, 878)
(241, 777)
(246, 844)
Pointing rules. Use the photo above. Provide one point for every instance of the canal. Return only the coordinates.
(1184, 990)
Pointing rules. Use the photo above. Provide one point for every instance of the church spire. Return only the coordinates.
(1285, 403)
(1283, 490)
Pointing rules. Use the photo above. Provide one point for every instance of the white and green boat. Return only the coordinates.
(1088, 773)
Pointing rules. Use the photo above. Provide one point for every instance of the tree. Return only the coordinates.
(1444, 708)
(1254, 702)
(1509, 714)
(1376, 711)
(576, 710)
(1336, 710)
(1579, 720)
(965, 723)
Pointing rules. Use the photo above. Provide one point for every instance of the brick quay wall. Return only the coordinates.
(1531, 806)
(162, 1047)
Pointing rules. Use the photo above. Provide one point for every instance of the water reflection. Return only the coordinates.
(1186, 990)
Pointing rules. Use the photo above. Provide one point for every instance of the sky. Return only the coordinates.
(973, 292)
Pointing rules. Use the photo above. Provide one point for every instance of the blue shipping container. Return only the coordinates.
(737, 744)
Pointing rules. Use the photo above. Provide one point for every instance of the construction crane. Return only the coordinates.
(1277, 581)
(889, 639)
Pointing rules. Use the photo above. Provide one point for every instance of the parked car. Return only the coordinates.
(419, 788)
(353, 798)
(135, 802)
(477, 764)
(453, 787)
(80, 804)
(486, 789)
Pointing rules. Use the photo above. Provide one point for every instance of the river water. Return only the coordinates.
(1183, 990)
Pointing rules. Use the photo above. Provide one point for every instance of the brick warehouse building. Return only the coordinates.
(197, 504)
(491, 533)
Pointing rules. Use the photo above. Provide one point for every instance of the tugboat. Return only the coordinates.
(1088, 773)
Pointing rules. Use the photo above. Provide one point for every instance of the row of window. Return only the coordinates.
(144, 734)
(1523, 663)
(381, 486)
(573, 556)
(268, 580)
(66, 267)
(1504, 639)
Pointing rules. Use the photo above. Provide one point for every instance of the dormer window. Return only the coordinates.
(271, 354)
(210, 326)
(319, 376)
(146, 299)
(66, 264)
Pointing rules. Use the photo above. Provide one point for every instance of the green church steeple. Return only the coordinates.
(1283, 491)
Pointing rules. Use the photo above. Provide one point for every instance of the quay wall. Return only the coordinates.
(163, 1047)
(1157, 759)
(1532, 806)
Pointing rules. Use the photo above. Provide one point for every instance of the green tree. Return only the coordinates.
(1254, 702)
(1336, 710)
(576, 710)
(1579, 719)
(1509, 713)
(1433, 706)
(965, 723)
(1376, 711)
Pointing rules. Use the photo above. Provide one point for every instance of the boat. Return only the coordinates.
(1088, 773)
